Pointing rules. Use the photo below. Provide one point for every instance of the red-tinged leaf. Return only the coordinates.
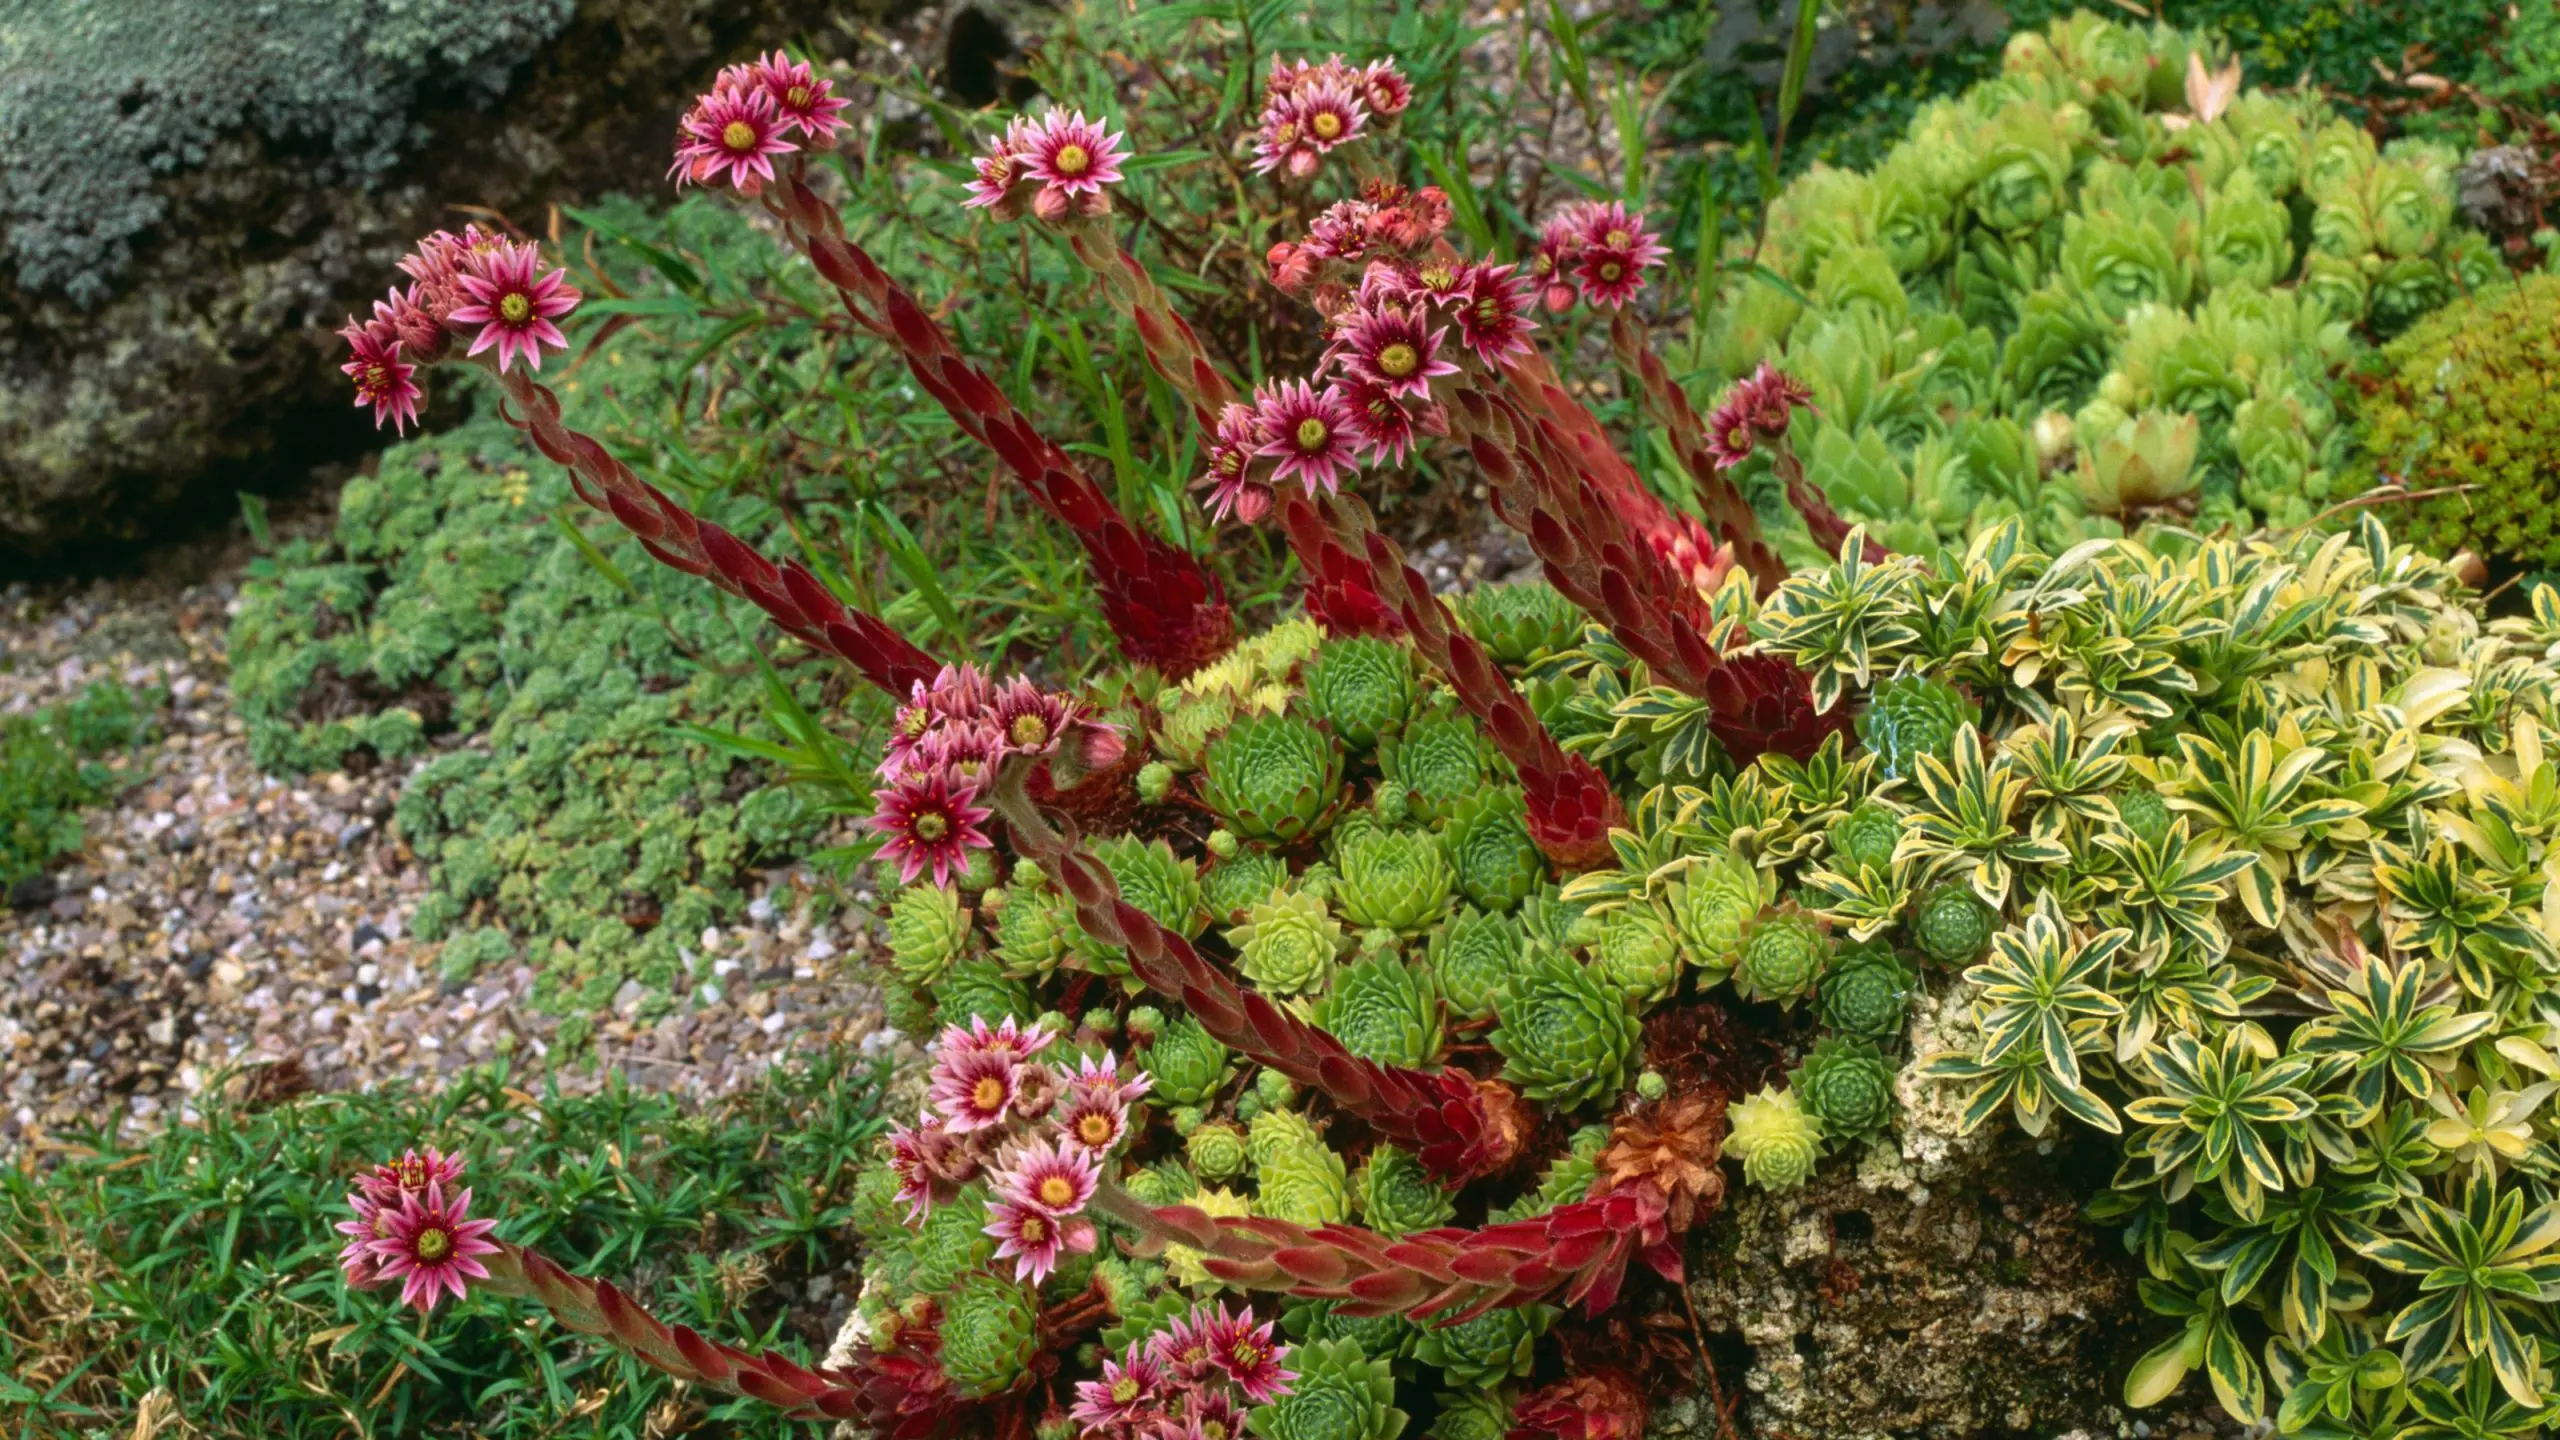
(1194, 1223)
(1665, 1260)
(1577, 1251)
(1392, 1289)
(1314, 1264)
(757, 1385)
(1486, 1267)
(1343, 1078)
(709, 1365)
(1214, 1012)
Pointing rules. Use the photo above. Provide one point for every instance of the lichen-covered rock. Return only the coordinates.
(195, 193)
(1872, 1302)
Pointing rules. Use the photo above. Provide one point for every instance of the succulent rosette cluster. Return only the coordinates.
(1463, 941)
(2106, 286)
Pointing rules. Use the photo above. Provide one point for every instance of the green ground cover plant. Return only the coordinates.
(195, 1266)
(58, 761)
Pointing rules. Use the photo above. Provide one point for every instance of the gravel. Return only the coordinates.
(227, 927)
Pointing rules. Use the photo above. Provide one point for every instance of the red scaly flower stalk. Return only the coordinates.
(1756, 703)
(1571, 807)
(794, 598)
(1577, 1253)
(1727, 510)
(1458, 1126)
(1340, 595)
(1167, 609)
(900, 1393)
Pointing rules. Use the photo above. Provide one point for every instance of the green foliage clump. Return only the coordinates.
(1487, 839)
(1910, 716)
(1474, 956)
(588, 820)
(1523, 623)
(1385, 1010)
(2462, 411)
(1781, 957)
(1188, 1065)
(221, 1226)
(57, 761)
(1846, 1086)
(1495, 1346)
(990, 1331)
(1391, 878)
(1288, 943)
(2047, 301)
(1394, 1195)
(1777, 1139)
(1438, 763)
(1340, 1394)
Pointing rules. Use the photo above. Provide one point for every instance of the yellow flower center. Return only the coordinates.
(739, 136)
(1312, 433)
(932, 825)
(1326, 124)
(1030, 730)
(1248, 1355)
(797, 97)
(1399, 360)
(1124, 1390)
(1214, 1429)
(1071, 160)
(987, 1094)
(1057, 1192)
(1094, 1130)
(1619, 239)
(515, 308)
(1033, 1229)
(433, 1244)
(1609, 271)
(376, 377)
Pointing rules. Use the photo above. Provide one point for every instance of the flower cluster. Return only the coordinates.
(943, 751)
(1404, 314)
(410, 1226)
(478, 284)
(749, 115)
(1194, 1377)
(1754, 412)
(1036, 1131)
(1594, 251)
(1053, 167)
(1307, 110)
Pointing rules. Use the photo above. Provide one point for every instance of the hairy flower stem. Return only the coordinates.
(1449, 1275)
(796, 600)
(1727, 510)
(1459, 1126)
(1167, 609)
(1551, 485)
(1571, 807)
(891, 1396)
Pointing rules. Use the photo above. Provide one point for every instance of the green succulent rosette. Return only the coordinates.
(1846, 1086)
(981, 990)
(1782, 956)
(1566, 1036)
(1854, 276)
(1637, 952)
(1386, 1337)
(1495, 1346)
(1909, 716)
(2248, 237)
(1340, 1394)
(1272, 778)
(1567, 1178)
(1288, 943)
(1217, 1152)
(1361, 687)
(1487, 841)
(1474, 956)
(1302, 1181)
(1951, 925)
(2141, 810)
(1866, 992)
(2025, 169)
(1472, 1415)
(990, 1330)
(2123, 261)
(1239, 882)
(1437, 764)
(1189, 1065)
(1711, 905)
(1777, 1140)
(928, 930)
(1864, 838)
(1394, 1195)
(1187, 726)
(1385, 1010)
(1521, 624)
(1035, 930)
(1390, 878)
(950, 1243)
